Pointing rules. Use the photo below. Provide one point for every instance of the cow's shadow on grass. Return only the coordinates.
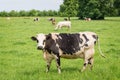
(70, 69)
(64, 70)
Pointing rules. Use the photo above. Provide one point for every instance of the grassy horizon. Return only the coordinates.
(20, 60)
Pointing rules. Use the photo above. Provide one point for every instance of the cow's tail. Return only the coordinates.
(100, 48)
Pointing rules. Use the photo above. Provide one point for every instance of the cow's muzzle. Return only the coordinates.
(40, 48)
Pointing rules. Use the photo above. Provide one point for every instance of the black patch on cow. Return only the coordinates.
(34, 39)
(94, 42)
(48, 36)
(86, 40)
(86, 44)
(85, 64)
(89, 61)
(95, 37)
(85, 37)
(58, 59)
(69, 43)
(50, 45)
(81, 40)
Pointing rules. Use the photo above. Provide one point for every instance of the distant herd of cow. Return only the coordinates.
(65, 23)
(67, 45)
(59, 25)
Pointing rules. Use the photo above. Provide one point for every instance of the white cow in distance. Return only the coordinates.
(63, 24)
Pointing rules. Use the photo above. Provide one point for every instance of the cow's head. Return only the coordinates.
(40, 39)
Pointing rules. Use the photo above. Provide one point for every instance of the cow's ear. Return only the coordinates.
(48, 36)
(33, 38)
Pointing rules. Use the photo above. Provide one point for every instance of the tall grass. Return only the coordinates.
(19, 59)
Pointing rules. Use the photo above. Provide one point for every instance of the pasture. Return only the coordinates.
(20, 60)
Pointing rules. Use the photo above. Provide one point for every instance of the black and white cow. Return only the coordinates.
(36, 19)
(67, 45)
(52, 20)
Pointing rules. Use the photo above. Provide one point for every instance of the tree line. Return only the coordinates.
(32, 12)
(94, 9)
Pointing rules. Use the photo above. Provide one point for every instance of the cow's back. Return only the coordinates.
(70, 45)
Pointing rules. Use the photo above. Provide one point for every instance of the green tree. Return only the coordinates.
(117, 6)
(95, 9)
(69, 8)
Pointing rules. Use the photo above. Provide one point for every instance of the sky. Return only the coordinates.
(17, 5)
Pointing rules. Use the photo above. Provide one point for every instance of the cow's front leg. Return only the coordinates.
(48, 66)
(58, 64)
(57, 27)
(60, 27)
(48, 57)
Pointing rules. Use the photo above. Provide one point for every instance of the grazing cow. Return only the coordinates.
(63, 24)
(53, 20)
(87, 19)
(8, 18)
(67, 45)
(36, 19)
(65, 19)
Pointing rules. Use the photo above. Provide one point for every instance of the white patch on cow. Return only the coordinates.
(89, 53)
(59, 37)
(48, 56)
(41, 37)
(54, 37)
(60, 52)
(73, 48)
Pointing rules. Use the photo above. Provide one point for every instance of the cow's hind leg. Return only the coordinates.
(85, 65)
(91, 60)
(88, 58)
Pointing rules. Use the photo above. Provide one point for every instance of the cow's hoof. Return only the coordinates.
(82, 70)
(47, 71)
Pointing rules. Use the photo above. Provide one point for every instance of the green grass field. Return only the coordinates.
(20, 60)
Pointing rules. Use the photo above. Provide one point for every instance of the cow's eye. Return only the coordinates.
(37, 41)
(43, 41)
